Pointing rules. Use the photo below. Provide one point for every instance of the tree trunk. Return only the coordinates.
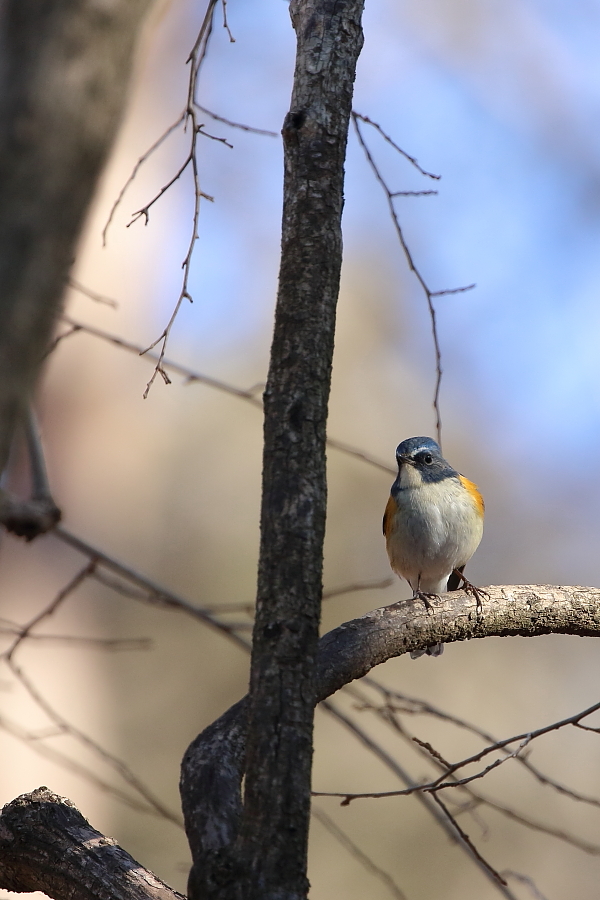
(273, 841)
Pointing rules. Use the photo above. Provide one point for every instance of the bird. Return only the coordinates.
(433, 524)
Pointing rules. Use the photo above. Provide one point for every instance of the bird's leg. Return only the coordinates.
(426, 596)
(469, 588)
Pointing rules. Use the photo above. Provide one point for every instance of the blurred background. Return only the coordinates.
(502, 99)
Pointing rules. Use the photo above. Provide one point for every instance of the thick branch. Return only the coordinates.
(64, 68)
(46, 845)
(213, 766)
(350, 651)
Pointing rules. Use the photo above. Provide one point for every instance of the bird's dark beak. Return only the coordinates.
(405, 459)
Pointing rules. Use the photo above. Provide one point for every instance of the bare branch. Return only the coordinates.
(156, 594)
(110, 644)
(136, 169)
(213, 766)
(34, 742)
(225, 23)
(62, 595)
(387, 714)
(93, 295)
(239, 125)
(429, 294)
(191, 376)
(355, 851)
(393, 144)
(380, 584)
(468, 840)
(116, 764)
(413, 706)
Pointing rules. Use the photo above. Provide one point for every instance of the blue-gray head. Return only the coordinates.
(423, 455)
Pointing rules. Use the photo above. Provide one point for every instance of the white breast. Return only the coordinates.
(436, 529)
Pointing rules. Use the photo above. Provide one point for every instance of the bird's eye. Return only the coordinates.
(427, 459)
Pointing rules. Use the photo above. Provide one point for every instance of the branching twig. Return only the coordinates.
(190, 123)
(62, 595)
(413, 706)
(76, 768)
(476, 798)
(191, 376)
(441, 784)
(154, 593)
(136, 169)
(429, 294)
(116, 764)
(449, 825)
(393, 144)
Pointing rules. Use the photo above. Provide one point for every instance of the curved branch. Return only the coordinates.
(354, 648)
(213, 766)
(46, 845)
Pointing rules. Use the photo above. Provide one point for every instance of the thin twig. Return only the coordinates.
(136, 169)
(429, 295)
(356, 852)
(120, 644)
(156, 594)
(225, 22)
(392, 143)
(441, 784)
(189, 121)
(475, 798)
(93, 295)
(414, 706)
(62, 595)
(71, 765)
(358, 586)
(468, 841)
(448, 826)
(414, 193)
(191, 376)
(116, 764)
(239, 125)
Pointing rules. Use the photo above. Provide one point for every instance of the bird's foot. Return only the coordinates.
(476, 592)
(426, 597)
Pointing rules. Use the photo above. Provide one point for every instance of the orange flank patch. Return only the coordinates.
(390, 512)
(474, 492)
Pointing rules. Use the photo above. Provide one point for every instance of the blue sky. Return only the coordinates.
(503, 101)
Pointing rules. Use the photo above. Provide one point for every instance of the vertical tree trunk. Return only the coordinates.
(64, 70)
(280, 723)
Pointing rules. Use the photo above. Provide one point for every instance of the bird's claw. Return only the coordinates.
(476, 592)
(426, 597)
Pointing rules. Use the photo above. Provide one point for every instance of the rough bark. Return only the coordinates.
(213, 766)
(46, 845)
(64, 69)
(272, 847)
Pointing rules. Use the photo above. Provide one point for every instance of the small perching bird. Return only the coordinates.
(433, 523)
